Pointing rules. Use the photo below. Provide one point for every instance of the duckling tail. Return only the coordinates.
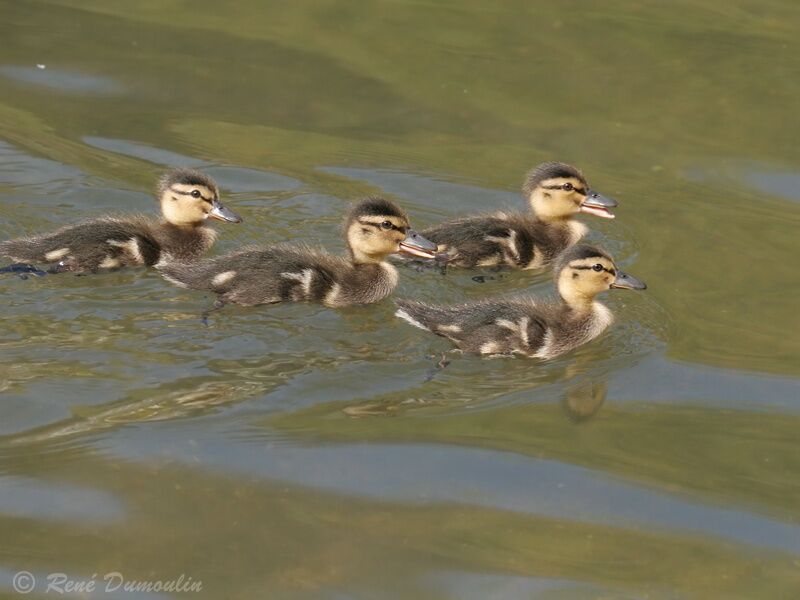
(408, 311)
(196, 275)
(27, 250)
(435, 319)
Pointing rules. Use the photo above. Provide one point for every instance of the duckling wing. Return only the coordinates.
(491, 327)
(90, 245)
(485, 240)
(261, 275)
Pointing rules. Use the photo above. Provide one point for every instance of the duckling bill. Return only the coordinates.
(188, 199)
(529, 326)
(556, 192)
(374, 229)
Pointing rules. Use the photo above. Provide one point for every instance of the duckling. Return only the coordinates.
(529, 326)
(374, 229)
(187, 198)
(556, 192)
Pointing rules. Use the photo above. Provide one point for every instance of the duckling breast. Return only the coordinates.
(364, 284)
(571, 333)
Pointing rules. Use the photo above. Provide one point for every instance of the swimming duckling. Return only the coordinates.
(374, 229)
(187, 197)
(528, 326)
(556, 192)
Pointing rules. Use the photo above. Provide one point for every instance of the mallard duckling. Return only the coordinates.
(187, 198)
(374, 229)
(528, 326)
(556, 193)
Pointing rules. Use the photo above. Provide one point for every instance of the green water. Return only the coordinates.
(299, 452)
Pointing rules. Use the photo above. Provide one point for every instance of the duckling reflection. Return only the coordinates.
(581, 401)
(584, 401)
(374, 229)
(188, 199)
(528, 326)
(556, 192)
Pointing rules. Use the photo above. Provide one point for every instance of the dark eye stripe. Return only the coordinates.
(209, 200)
(378, 226)
(581, 268)
(581, 191)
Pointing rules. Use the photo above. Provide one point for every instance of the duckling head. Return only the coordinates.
(584, 271)
(376, 228)
(189, 197)
(558, 191)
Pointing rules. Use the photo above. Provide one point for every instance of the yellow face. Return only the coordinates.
(558, 198)
(185, 204)
(373, 237)
(584, 278)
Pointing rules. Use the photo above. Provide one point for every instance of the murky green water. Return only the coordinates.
(299, 452)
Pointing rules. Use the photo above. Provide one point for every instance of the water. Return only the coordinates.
(300, 452)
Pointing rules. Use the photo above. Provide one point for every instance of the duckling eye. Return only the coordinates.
(195, 193)
(387, 225)
(567, 187)
(598, 267)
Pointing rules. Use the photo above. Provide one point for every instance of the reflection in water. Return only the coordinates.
(582, 396)
(584, 391)
(198, 396)
(582, 401)
(634, 442)
(156, 407)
